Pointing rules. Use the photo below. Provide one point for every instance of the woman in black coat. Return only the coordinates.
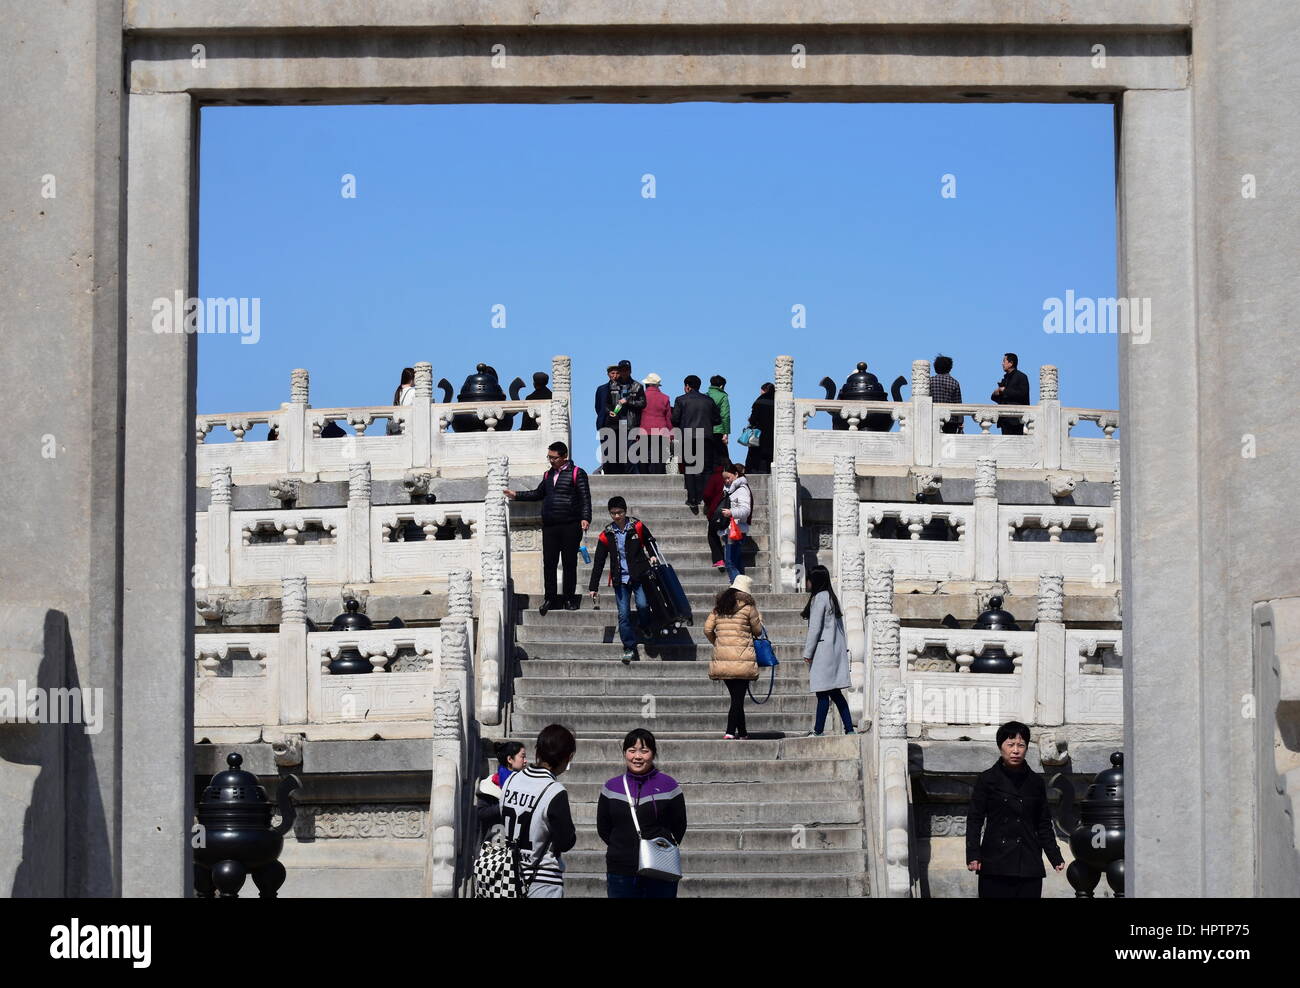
(762, 416)
(1010, 805)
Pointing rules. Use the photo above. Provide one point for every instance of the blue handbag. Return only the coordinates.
(766, 656)
(749, 436)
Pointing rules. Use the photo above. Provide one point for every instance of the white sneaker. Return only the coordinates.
(728, 737)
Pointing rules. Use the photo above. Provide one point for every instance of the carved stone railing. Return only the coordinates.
(281, 682)
(916, 436)
(393, 439)
(495, 638)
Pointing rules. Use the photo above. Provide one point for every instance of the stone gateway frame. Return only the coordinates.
(1183, 76)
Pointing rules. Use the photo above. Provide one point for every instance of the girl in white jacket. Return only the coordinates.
(741, 499)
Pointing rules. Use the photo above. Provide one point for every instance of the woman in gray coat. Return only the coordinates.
(826, 650)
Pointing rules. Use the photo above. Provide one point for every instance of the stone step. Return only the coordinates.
(739, 886)
(731, 770)
(779, 632)
(609, 751)
(671, 653)
(803, 813)
(688, 554)
(552, 689)
(582, 621)
(700, 595)
(739, 793)
(802, 861)
(665, 705)
(609, 667)
(668, 724)
(746, 838)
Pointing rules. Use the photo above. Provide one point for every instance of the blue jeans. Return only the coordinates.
(824, 698)
(623, 594)
(732, 557)
(636, 887)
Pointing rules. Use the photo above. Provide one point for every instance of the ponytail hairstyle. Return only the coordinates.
(408, 377)
(819, 580)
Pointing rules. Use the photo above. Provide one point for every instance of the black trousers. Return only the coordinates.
(695, 481)
(1010, 887)
(1012, 427)
(560, 545)
(715, 542)
(736, 713)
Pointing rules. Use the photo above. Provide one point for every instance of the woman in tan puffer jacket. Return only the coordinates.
(731, 628)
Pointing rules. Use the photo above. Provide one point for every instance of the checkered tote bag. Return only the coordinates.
(498, 872)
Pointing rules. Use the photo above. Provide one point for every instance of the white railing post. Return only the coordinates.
(988, 538)
(922, 424)
(890, 699)
(293, 422)
(1050, 629)
(561, 401)
(844, 506)
(444, 796)
(495, 555)
(852, 587)
(358, 523)
(288, 674)
(218, 574)
(419, 422)
(786, 477)
(880, 602)
(1051, 438)
(456, 664)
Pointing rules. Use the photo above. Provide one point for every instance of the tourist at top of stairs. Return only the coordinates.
(695, 415)
(625, 402)
(1013, 389)
(826, 650)
(731, 628)
(657, 421)
(722, 431)
(660, 812)
(540, 392)
(628, 544)
(565, 494)
(762, 416)
(945, 389)
(740, 498)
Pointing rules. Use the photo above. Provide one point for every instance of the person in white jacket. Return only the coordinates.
(741, 509)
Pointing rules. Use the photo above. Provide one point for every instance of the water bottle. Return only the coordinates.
(586, 556)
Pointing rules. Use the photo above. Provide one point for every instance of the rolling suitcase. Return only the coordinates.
(663, 613)
(670, 586)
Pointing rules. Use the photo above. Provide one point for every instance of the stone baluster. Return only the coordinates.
(1049, 430)
(1050, 631)
(922, 425)
(988, 539)
(449, 754)
(844, 507)
(419, 424)
(287, 675)
(561, 403)
(786, 488)
(358, 523)
(460, 594)
(218, 565)
(293, 429)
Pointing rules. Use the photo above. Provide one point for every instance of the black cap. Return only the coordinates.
(625, 365)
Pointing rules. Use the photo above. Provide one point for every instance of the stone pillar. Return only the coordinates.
(988, 537)
(880, 601)
(1051, 438)
(456, 664)
(1114, 533)
(844, 507)
(922, 424)
(786, 488)
(561, 403)
(293, 421)
(218, 574)
(460, 594)
(852, 586)
(419, 424)
(1050, 628)
(289, 671)
(491, 633)
(358, 523)
(444, 797)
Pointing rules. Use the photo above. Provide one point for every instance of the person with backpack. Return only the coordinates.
(565, 494)
(536, 816)
(735, 517)
(629, 546)
(826, 650)
(659, 806)
(731, 628)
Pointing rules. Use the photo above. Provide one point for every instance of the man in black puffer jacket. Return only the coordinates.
(566, 513)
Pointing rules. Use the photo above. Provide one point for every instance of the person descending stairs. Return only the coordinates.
(778, 814)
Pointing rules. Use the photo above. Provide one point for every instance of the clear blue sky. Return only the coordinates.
(836, 207)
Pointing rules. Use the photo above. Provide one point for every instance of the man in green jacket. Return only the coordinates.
(721, 433)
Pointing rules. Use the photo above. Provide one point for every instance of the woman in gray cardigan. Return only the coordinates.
(826, 650)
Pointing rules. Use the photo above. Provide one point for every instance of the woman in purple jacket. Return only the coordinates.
(660, 809)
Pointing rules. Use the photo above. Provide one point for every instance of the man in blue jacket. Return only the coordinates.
(565, 494)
